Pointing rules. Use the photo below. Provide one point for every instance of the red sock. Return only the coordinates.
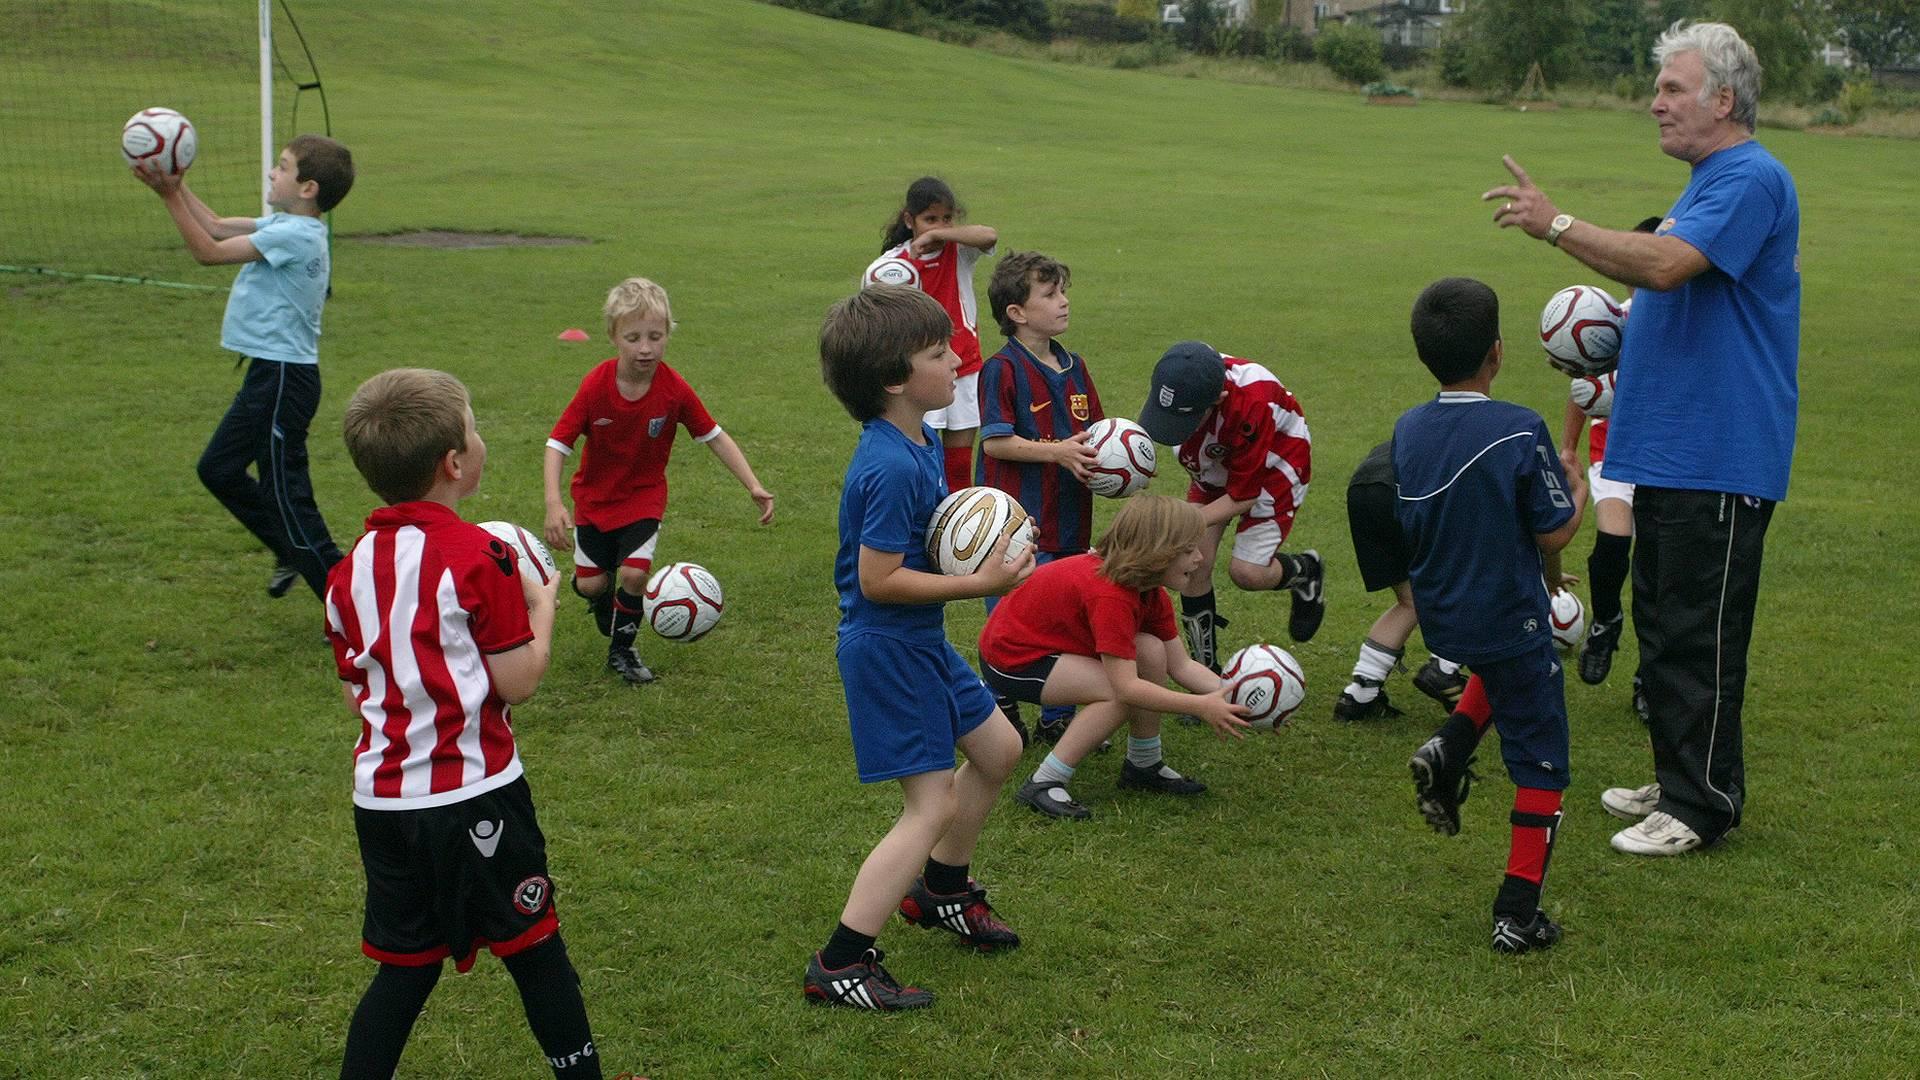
(1474, 706)
(1536, 814)
(959, 467)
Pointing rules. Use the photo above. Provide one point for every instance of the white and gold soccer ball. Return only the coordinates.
(967, 524)
(160, 141)
(1268, 681)
(682, 602)
(1126, 458)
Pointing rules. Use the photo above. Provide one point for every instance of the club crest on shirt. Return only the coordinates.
(1077, 405)
(1665, 228)
(1217, 451)
(655, 426)
(530, 896)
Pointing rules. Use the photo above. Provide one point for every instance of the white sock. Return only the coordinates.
(1447, 666)
(1053, 771)
(1376, 662)
(1143, 752)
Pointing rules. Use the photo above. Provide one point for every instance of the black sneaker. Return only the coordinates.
(281, 580)
(967, 914)
(1050, 798)
(1049, 731)
(1596, 653)
(1309, 598)
(1011, 710)
(627, 664)
(863, 984)
(1513, 937)
(601, 608)
(1352, 711)
(1154, 778)
(1440, 785)
(1434, 682)
(1640, 707)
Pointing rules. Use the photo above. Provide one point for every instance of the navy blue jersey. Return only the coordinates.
(1021, 396)
(1479, 479)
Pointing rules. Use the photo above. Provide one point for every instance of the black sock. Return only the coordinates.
(1606, 572)
(550, 994)
(946, 880)
(1199, 618)
(1294, 565)
(1459, 731)
(384, 1019)
(844, 947)
(626, 622)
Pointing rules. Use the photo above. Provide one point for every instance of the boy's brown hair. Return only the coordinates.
(1014, 278)
(400, 425)
(325, 162)
(868, 340)
(1148, 533)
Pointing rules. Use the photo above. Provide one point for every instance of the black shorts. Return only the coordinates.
(604, 552)
(446, 880)
(1379, 546)
(1020, 684)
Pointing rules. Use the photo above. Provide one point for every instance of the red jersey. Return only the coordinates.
(622, 476)
(1597, 441)
(1254, 442)
(947, 276)
(412, 612)
(1068, 607)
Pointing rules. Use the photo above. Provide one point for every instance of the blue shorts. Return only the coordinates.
(1529, 700)
(908, 703)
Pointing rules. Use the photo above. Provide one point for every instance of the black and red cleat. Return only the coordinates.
(966, 914)
(863, 984)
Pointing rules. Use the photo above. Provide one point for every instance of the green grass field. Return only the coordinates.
(183, 893)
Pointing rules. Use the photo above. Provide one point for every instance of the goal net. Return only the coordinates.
(73, 71)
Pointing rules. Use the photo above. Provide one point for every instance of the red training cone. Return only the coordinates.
(574, 333)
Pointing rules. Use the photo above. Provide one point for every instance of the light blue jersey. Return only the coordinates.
(273, 312)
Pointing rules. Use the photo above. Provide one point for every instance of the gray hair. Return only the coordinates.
(1729, 62)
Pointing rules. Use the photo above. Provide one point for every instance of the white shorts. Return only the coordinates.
(1601, 488)
(964, 413)
(1257, 541)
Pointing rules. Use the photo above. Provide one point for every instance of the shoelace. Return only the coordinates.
(880, 974)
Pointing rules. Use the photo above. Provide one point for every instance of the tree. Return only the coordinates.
(1503, 38)
(1201, 28)
(1350, 50)
(1785, 35)
(1619, 37)
(1880, 33)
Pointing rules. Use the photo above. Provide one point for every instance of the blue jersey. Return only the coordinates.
(273, 312)
(1021, 396)
(1479, 479)
(889, 495)
(1709, 372)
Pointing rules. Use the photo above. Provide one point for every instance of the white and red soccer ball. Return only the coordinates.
(536, 562)
(1268, 681)
(1593, 394)
(893, 271)
(682, 602)
(1580, 328)
(1125, 457)
(1569, 618)
(159, 141)
(967, 524)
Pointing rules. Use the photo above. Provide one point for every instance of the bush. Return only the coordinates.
(1026, 18)
(1289, 43)
(1453, 57)
(1095, 20)
(1203, 20)
(1153, 52)
(1349, 51)
(1401, 57)
(1856, 98)
(1386, 89)
(1630, 87)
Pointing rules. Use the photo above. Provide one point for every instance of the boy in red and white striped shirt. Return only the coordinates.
(435, 633)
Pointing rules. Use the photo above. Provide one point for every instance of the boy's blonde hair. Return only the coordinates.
(1148, 533)
(399, 426)
(638, 296)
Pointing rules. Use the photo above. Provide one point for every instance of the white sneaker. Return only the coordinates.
(1660, 834)
(1631, 804)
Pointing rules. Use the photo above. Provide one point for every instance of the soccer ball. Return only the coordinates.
(893, 271)
(1126, 457)
(1593, 394)
(682, 602)
(1580, 328)
(536, 562)
(967, 524)
(1569, 617)
(1268, 681)
(160, 141)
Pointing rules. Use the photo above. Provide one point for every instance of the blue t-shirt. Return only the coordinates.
(1709, 371)
(273, 312)
(1479, 479)
(889, 495)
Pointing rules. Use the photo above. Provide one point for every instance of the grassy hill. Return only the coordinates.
(185, 894)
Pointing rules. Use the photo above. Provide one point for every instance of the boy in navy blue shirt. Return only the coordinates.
(911, 699)
(1486, 508)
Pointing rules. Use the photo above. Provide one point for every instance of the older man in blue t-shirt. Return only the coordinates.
(1716, 323)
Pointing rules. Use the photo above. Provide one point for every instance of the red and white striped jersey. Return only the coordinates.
(947, 276)
(1254, 442)
(412, 612)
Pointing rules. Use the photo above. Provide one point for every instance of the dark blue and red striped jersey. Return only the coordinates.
(1021, 396)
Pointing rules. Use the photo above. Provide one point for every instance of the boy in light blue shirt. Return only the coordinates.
(273, 322)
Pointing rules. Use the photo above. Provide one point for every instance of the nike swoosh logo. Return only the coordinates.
(489, 843)
(1037, 408)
